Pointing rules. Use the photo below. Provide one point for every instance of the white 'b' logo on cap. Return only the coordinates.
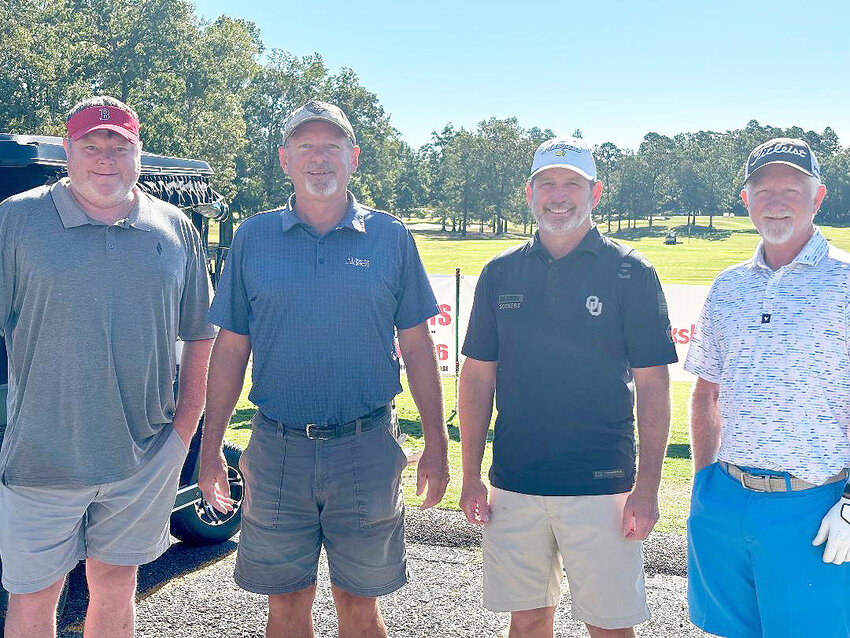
(104, 114)
(593, 305)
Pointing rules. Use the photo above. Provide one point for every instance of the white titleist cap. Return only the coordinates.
(564, 152)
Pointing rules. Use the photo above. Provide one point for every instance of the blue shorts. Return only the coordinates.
(752, 568)
(302, 494)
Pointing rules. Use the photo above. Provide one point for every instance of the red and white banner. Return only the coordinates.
(684, 303)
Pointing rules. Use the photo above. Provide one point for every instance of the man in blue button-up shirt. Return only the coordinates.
(316, 291)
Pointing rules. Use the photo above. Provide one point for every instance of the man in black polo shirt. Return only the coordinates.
(561, 328)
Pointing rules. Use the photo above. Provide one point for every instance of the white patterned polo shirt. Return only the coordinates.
(776, 342)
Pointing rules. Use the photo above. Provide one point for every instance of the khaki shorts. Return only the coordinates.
(46, 531)
(531, 540)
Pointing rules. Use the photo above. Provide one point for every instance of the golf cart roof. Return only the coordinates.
(44, 150)
(27, 161)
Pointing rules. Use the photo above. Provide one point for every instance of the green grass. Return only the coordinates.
(696, 260)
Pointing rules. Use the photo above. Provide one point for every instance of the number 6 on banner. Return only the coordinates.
(442, 351)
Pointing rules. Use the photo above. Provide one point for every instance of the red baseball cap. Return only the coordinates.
(103, 118)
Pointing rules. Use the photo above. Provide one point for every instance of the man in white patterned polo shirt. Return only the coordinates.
(769, 420)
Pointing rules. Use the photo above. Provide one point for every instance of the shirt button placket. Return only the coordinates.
(550, 294)
(770, 292)
(320, 257)
(110, 242)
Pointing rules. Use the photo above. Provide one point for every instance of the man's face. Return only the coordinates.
(561, 200)
(103, 168)
(319, 159)
(782, 203)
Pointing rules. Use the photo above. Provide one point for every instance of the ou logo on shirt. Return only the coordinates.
(593, 305)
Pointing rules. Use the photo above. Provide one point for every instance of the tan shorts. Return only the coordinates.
(531, 540)
(45, 531)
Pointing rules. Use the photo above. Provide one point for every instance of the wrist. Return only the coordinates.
(646, 485)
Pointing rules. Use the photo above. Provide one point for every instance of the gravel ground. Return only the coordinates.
(190, 593)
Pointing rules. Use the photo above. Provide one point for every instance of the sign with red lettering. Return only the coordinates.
(684, 303)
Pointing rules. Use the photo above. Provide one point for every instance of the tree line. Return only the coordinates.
(212, 90)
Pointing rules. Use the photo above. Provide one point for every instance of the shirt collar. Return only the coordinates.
(353, 218)
(815, 249)
(591, 242)
(72, 214)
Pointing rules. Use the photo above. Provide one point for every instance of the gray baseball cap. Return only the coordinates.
(316, 110)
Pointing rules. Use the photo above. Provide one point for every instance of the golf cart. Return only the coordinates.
(30, 161)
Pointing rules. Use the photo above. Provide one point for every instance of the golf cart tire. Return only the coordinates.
(193, 524)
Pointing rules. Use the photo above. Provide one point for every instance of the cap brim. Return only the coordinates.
(319, 118)
(127, 135)
(791, 164)
(574, 169)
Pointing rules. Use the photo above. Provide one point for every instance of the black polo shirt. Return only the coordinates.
(566, 334)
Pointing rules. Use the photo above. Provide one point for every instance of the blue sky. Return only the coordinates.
(614, 69)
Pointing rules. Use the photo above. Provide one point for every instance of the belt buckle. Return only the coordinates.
(310, 431)
(764, 479)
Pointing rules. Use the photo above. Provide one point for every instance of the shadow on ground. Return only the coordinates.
(243, 417)
(458, 236)
(414, 428)
(638, 233)
(679, 451)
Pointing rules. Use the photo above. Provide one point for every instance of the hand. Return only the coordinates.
(835, 530)
(212, 479)
(473, 501)
(640, 514)
(433, 470)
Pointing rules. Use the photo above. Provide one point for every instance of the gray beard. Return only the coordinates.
(328, 188)
(777, 233)
(559, 226)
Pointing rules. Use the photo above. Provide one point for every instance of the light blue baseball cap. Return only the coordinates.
(564, 152)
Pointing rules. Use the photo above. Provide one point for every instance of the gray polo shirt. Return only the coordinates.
(91, 314)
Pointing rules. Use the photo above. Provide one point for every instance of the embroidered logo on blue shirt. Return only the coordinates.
(510, 302)
(354, 261)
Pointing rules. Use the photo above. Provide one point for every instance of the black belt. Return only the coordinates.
(323, 432)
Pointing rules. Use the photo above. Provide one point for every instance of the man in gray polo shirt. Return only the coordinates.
(97, 282)
(315, 290)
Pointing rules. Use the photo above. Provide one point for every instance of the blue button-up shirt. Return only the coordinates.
(321, 310)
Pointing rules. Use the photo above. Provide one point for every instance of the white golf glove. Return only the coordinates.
(835, 530)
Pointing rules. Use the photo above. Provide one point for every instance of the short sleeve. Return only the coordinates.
(647, 325)
(197, 292)
(416, 300)
(7, 269)
(482, 338)
(230, 306)
(704, 355)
